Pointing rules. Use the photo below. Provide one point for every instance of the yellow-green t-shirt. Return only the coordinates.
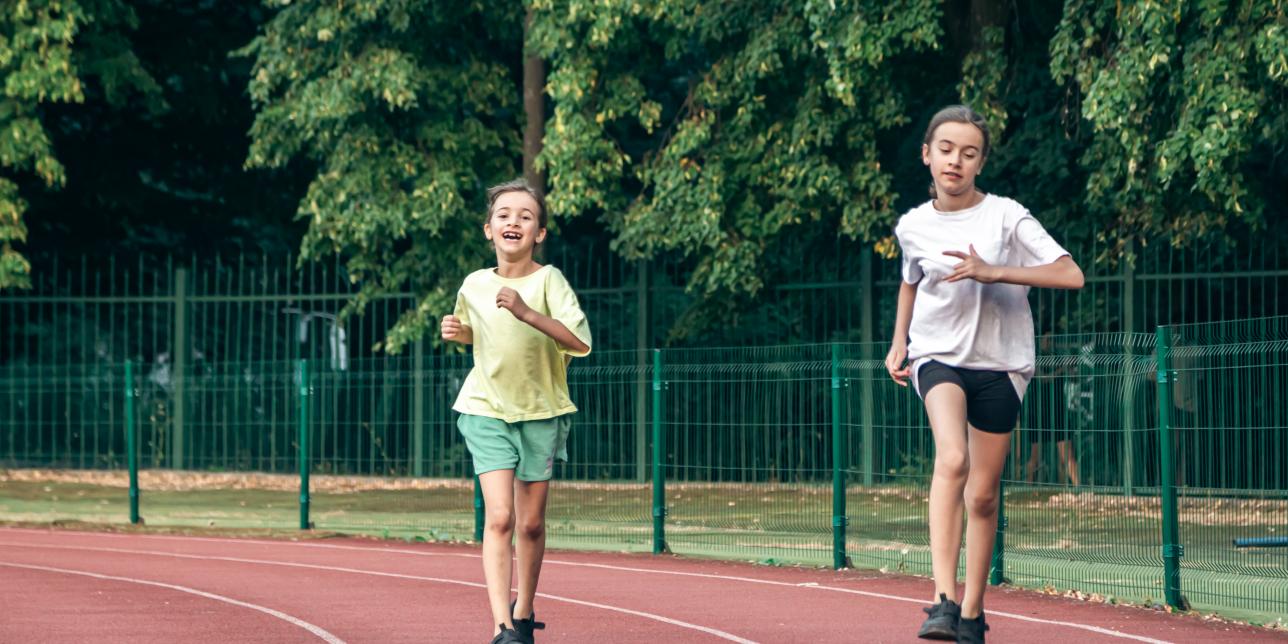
(519, 372)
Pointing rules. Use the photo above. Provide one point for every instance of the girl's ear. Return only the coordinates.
(925, 154)
(541, 235)
(487, 229)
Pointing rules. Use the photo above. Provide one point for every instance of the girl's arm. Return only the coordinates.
(509, 298)
(1062, 273)
(899, 372)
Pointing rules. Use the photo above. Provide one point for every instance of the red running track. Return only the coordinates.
(62, 586)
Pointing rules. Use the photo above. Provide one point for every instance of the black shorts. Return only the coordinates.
(991, 402)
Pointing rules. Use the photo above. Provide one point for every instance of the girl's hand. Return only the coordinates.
(451, 328)
(894, 362)
(508, 298)
(972, 267)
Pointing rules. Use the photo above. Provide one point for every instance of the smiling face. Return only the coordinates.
(955, 154)
(514, 225)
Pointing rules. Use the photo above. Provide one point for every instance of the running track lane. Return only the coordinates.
(357, 590)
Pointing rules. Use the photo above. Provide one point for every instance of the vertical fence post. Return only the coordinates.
(418, 409)
(1129, 385)
(839, 466)
(132, 441)
(642, 318)
(867, 336)
(1172, 548)
(659, 459)
(997, 567)
(1129, 420)
(304, 443)
(478, 509)
(178, 421)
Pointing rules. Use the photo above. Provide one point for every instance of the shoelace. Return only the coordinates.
(939, 608)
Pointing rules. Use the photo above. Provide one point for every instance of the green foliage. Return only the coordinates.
(725, 132)
(48, 50)
(983, 75)
(408, 110)
(1183, 99)
(755, 142)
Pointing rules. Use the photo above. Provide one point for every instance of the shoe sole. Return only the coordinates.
(938, 634)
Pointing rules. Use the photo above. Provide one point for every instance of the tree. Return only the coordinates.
(408, 110)
(56, 52)
(755, 142)
(1184, 103)
(141, 182)
(737, 135)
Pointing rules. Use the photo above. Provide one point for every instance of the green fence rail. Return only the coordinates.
(175, 316)
(1140, 458)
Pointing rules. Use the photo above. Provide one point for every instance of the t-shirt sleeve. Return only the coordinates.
(911, 270)
(1037, 247)
(462, 312)
(565, 308)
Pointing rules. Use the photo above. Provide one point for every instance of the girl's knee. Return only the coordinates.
(951, 464)
(499, 522)
(532, 529)
(981, 502)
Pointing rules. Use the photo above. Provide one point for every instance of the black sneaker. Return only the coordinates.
(507, 636)
(971, 630)
(526, 626)
(942, 622)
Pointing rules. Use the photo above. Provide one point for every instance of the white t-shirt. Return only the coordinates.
(966, 323)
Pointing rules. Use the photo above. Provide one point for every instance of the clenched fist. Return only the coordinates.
(451, 328)
(508, 298)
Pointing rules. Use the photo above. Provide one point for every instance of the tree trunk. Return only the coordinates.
(534, 108)
(985, 14)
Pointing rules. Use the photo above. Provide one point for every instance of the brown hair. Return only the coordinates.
(517, 185)
(957, 114)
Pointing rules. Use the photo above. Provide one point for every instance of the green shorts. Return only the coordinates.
(527, 447)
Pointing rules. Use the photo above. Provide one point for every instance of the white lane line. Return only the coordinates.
(666, 620)
(751, 580)
(865, 593)
(322, 633)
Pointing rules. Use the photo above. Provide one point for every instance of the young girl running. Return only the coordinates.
(969, 259)
(525, 324)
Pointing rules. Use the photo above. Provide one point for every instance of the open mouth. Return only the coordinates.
(511, 235)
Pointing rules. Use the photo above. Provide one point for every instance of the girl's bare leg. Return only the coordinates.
(530, 504)
(498, 530)
(987, 458)
(946, 407)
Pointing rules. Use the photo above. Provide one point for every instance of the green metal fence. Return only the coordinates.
(173, 316)
(1139, 458)
(1082, 492)
(1227, 388)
